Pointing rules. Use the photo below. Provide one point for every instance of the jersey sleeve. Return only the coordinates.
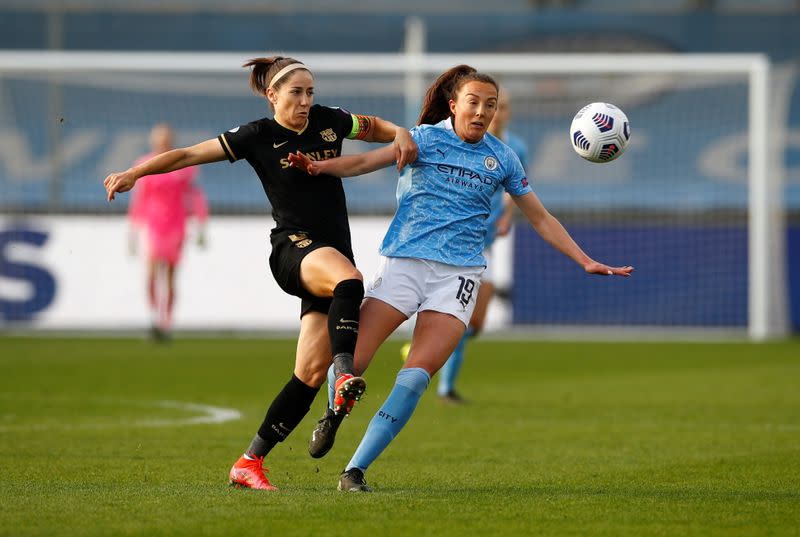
(352, 126)
(516, 181)
(345, 124)
(237, 142)
(418, 134)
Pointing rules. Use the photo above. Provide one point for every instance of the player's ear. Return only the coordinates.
(272, 96)
(452, 104)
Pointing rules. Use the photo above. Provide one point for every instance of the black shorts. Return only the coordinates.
(289, 247)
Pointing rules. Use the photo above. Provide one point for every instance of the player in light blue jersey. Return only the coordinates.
(497, 225)
(432, 260)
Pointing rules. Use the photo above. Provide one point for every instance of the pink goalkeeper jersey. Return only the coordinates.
(161, 204)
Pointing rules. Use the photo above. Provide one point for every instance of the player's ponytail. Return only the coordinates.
(264, 69)
(436, 104)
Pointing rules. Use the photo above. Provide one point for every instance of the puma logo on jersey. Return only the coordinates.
(276, 146)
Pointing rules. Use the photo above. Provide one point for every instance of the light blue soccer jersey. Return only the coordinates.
(517, 144)
(444, 197)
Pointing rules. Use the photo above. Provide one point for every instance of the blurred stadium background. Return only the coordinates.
(675, 205)
(115, 436)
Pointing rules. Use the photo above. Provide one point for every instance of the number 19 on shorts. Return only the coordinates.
(465, 289)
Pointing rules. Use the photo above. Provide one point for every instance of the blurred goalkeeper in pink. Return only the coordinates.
(160, 206)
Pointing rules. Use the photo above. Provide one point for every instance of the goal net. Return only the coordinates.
(692, 204)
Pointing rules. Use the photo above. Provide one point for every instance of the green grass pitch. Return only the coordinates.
(601, 439)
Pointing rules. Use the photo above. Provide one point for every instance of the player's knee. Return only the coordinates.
(311, 375)
(351, 274)
(313, 372)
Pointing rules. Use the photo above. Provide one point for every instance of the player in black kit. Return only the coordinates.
(311, 257)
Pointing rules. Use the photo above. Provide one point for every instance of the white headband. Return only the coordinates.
(282, 72)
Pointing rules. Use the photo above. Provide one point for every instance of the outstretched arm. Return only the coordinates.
(208, 151)
(381, 130)
(346, 166)
(551, 230)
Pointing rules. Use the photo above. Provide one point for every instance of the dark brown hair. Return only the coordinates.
(436, 104)
(263, 71)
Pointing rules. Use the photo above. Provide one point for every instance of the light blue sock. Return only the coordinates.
(451, 368)
(391, 417)
(331, 386)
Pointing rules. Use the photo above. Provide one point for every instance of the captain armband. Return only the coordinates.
(362, 125)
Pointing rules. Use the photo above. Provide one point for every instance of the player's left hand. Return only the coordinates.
(405, 149)
(302, 162)
(598, 268)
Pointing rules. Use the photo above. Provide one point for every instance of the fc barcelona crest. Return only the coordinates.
(328, 135)
(300, 240)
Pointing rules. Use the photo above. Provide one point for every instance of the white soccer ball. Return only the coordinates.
(600, 132)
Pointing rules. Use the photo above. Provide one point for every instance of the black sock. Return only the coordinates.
(343, 316)
(287, 410)
(342, 364)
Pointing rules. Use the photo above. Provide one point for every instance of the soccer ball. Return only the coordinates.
(600, 132)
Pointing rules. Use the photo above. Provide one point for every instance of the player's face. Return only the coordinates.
(474, 108)
(293, 100)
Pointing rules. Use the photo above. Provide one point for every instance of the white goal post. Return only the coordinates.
(766, 309)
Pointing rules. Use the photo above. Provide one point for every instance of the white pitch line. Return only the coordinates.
(208, 415)
(212, 415)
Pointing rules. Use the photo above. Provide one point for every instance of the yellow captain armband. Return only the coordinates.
(362, 125)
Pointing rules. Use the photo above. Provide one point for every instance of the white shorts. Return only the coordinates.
(413, 285)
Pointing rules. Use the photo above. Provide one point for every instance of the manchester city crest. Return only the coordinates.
(490, 163)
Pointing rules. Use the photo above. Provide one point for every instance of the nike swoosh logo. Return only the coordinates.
(343, 320)
(276, 146)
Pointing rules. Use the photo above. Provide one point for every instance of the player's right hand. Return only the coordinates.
(405, 149)
(119, 182)
(302, 162)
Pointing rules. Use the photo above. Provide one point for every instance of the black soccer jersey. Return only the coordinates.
(315, 204)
